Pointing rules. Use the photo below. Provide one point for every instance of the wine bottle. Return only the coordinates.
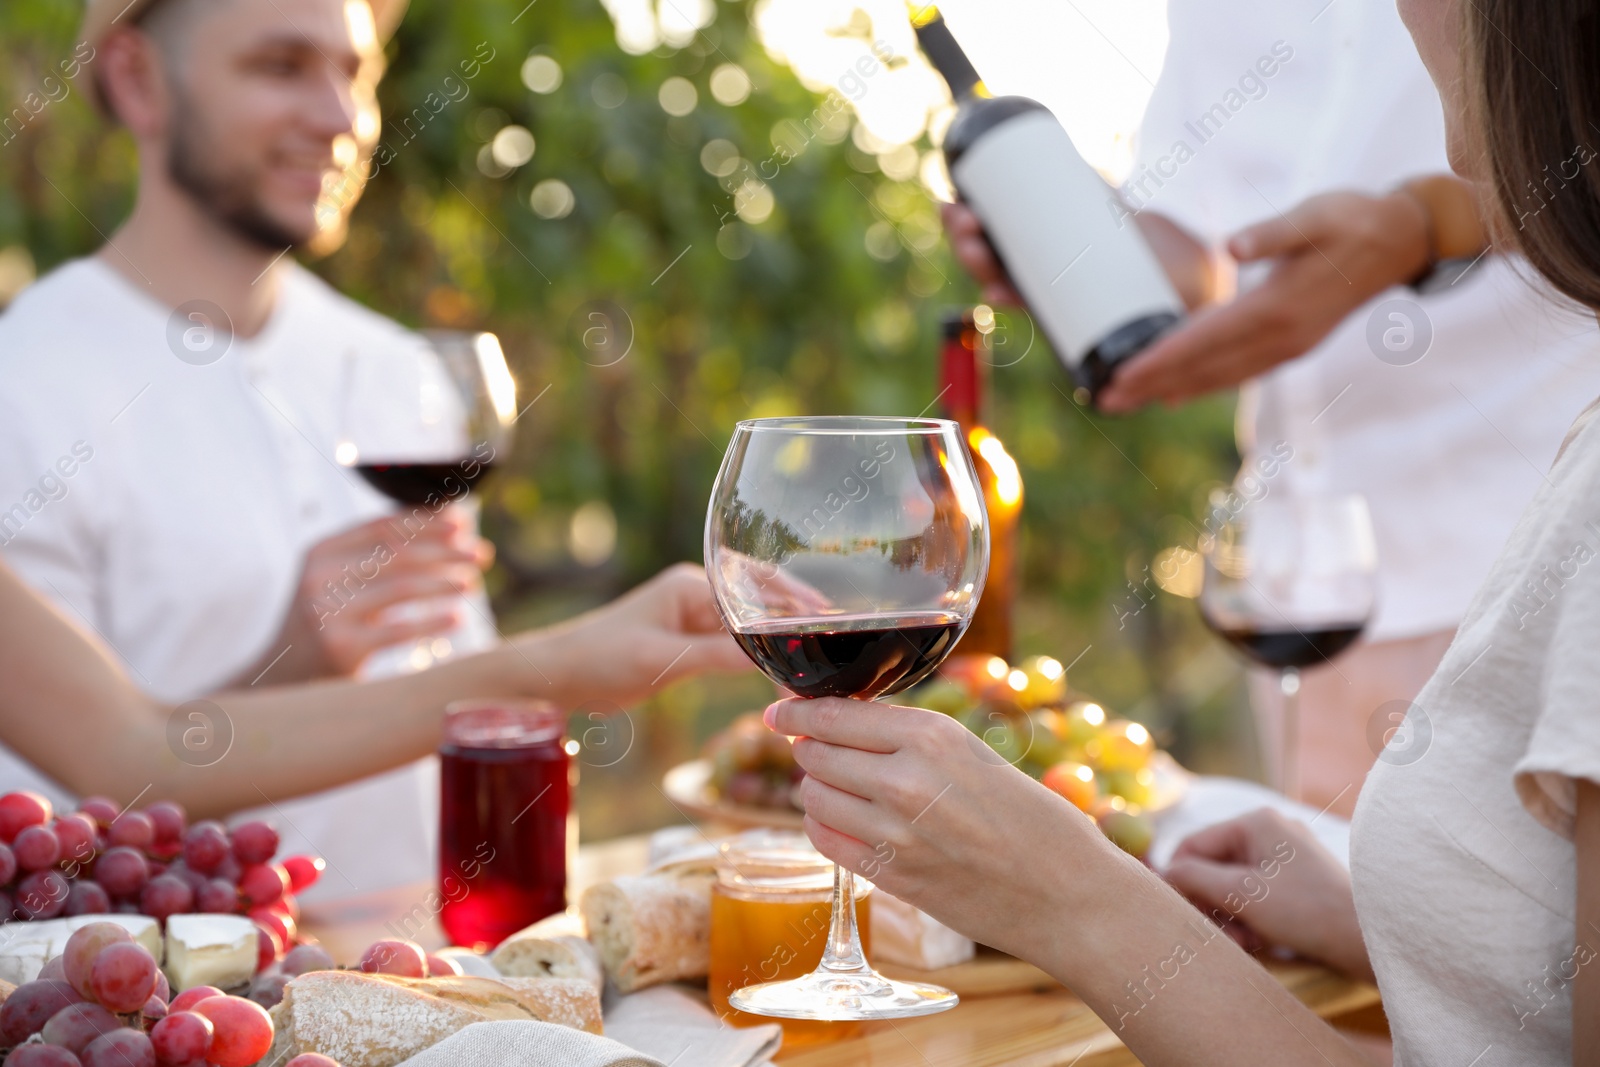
(961, 381)
(1096, 289)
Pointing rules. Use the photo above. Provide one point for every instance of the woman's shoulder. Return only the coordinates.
(1571, 487)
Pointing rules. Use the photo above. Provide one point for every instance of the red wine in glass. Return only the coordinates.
(860, 656)
(505, 803)
(1287, 647)
(424, 483)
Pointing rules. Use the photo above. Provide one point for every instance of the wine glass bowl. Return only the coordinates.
(846, 557)
(423, 424)
(826, 527)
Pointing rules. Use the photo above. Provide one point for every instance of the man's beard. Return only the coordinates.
(230, 199)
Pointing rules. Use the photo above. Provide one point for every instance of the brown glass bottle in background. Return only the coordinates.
(961, 382)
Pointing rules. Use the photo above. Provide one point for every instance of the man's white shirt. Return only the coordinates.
(197, 484)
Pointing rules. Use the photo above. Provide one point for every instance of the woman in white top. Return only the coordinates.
(1476, 848)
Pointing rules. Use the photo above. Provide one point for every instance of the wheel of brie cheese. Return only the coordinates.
(25, 947)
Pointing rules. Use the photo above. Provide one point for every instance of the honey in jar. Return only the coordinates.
(770, 915)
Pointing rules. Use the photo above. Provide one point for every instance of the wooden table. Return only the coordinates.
(1044, 1027)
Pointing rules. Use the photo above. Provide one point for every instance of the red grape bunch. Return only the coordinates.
(104, 1003)
(101, 859)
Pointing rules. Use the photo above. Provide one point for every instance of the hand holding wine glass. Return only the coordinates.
(847, 556)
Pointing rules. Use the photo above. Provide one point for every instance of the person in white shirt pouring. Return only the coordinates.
(1376, 340)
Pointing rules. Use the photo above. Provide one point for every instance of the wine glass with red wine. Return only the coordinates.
(1290, 582)
(423, 423)
(847, 555)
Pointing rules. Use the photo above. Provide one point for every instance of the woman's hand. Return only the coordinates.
(659, 632)
(1280, 888)
(930, 813)
(915, 802)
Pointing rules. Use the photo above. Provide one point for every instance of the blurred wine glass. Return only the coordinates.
(423, 424)
(1290, 582)
(847, 556)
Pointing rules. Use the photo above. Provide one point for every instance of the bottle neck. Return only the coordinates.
(947, 56)
(960, 380)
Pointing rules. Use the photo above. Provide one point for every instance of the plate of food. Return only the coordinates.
(1110, 768)
(745, 778)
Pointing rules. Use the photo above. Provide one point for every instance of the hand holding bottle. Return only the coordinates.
(1190, 266)
(973, 251)
(1330, 256)
(1090, 280)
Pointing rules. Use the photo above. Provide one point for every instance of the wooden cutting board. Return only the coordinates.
(1049, 1028)
(988, 974)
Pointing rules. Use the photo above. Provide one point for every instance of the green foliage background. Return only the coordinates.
(807, 322)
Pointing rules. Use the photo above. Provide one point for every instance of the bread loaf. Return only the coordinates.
(375, 1020)
(554, 947)
(651, 928)
(563, 1001)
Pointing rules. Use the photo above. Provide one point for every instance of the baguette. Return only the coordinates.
(651, 928)
(564, 1001)
(553, 947)
(376, 1020)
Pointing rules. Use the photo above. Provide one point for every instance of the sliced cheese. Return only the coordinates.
(218, 950)
(25, 947)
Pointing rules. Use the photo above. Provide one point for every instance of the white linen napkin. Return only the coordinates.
(676, 1028)
(527, 1044)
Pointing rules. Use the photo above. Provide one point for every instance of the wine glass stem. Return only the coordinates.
(1290, 756)
(843, 954)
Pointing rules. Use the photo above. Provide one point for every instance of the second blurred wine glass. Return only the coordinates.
(423, 424)
(1290, 582)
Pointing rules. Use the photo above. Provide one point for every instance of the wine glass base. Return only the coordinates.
(842, 997)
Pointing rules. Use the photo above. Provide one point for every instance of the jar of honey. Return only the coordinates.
(770, 912)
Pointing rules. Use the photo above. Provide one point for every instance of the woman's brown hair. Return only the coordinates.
(1533, 70)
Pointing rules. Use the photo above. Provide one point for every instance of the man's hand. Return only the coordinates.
(1332, 254)
(1279, 885)
(973, 251)
(666, 629)
(337, 617)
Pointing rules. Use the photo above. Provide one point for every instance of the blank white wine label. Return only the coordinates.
(1049, 215)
